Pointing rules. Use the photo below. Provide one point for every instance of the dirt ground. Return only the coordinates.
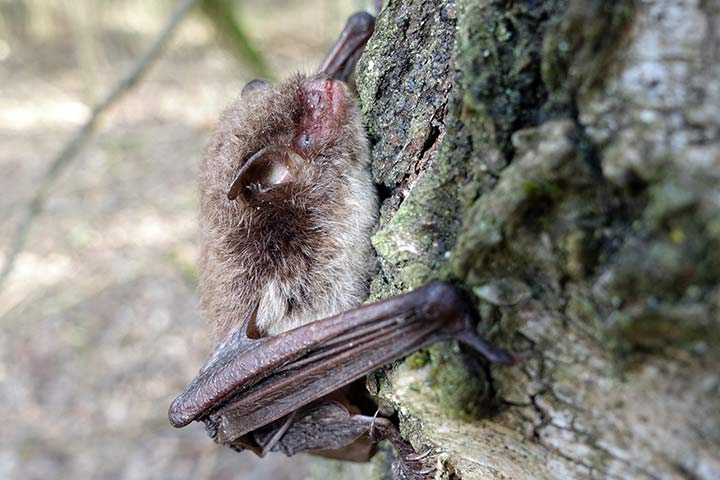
(99, 321)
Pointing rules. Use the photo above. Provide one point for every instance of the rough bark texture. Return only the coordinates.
(562, 160)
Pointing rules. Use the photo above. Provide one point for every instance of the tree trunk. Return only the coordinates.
(561, 159)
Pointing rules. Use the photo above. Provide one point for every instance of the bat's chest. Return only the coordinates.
(314, 268)
(312, 282)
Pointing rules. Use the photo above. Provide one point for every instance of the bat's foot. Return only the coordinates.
(409, 465)
(420, 456)
(406, 468)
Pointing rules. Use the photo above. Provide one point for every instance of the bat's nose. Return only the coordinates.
(323, 102)
(323, 98)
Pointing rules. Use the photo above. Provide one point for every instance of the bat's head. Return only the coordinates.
(289, 138)
(285, 192)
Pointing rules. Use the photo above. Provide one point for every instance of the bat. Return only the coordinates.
(287, 206)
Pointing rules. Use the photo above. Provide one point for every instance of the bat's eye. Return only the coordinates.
(268, 168)
(253, 85)
(305, 141)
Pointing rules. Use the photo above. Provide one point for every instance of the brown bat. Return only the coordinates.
(287, 206)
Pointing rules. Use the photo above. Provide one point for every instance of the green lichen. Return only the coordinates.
(581, 47)
(418, 359)
(403, 81)
(459, 383)
(546, 164)
(500, 61)
(660, 326)
(408, 240)
(533, 188)
(668, 199)
(440, 375)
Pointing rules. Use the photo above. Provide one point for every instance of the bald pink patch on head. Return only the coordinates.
(323, 112)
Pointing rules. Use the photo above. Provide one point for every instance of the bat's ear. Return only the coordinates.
(253, 85)
(340, 61)
(266, 169)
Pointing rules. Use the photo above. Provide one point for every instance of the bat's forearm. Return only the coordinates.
(263, 380)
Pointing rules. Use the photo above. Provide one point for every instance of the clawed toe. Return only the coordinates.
(402, 474)
(419, 456)
(421, 474)
(409, 467)
(408, 464)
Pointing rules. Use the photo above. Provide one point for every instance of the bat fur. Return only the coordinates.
(301, 250)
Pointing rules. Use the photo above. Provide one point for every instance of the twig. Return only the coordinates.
(125, 84)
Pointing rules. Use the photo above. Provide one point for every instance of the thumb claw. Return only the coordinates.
(491, 352)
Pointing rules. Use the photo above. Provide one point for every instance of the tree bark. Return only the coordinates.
(561, 159)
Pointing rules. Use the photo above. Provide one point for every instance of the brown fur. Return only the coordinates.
(302, 250)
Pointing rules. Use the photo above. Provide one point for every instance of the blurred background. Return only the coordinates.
(99, 327)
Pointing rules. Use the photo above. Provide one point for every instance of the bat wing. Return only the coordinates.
(249, 383)
(340, 61)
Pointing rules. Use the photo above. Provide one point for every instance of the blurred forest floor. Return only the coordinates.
(99, 327)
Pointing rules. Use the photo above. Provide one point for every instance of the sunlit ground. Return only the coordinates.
(99, 322)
